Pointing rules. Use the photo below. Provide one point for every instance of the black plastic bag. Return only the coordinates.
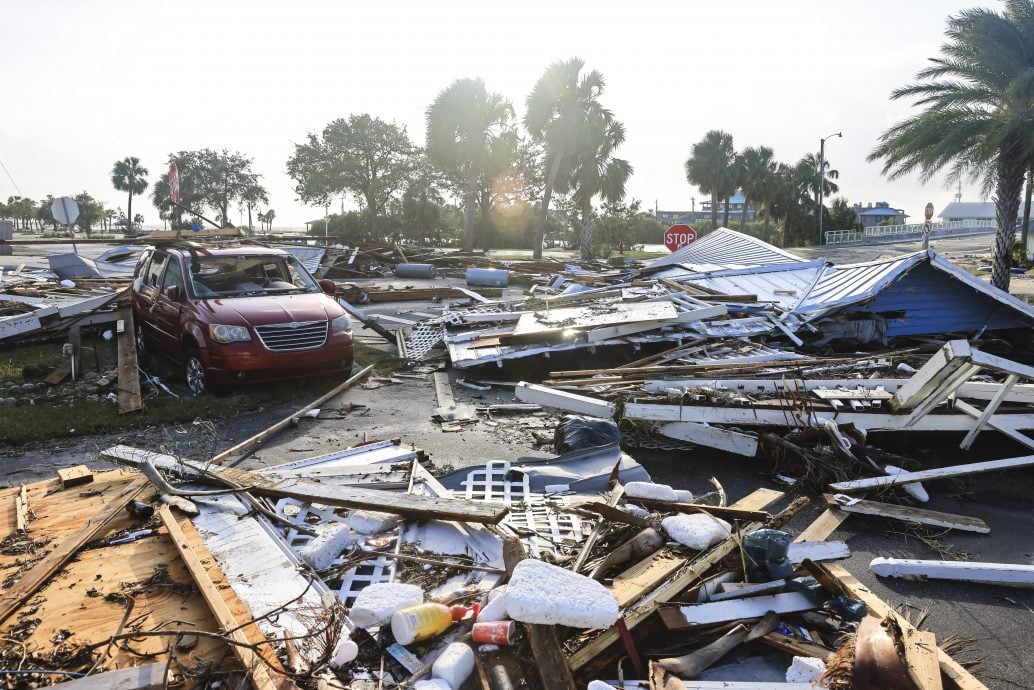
(578, 432)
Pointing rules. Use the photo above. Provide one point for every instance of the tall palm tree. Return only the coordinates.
(560, 105)
(128, 175)
(809, 169)
(712, 167)
(466, 127)
(757, 168)
(596, 172)
(791, 202)
(252, 195)
(978, 97)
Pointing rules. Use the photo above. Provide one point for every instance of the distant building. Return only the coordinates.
(736, 202)
(675, 217)
(969, 210)
(879, 212)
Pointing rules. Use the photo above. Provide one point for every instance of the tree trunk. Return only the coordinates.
(725, 214)
(714, 210)
(547, 195)
(129, 215)
(1026, 214)
(767, 212)
(469, 209)
(251, 231)
(585, 239)
(1008, 186)
(743, 212)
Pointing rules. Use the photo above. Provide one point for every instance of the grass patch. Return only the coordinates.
(13, 361)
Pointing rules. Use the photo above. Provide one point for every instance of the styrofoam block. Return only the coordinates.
(805, 669)
(654, 492)
(599, 685)
(495, 608)
(327, 545)
(542, 593)
(697, 531)
(636, 511)
(378, 601)
(433, 684)
(454, 665)
(683, 496)
(371, 522)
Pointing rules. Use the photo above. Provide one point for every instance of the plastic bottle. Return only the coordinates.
(424, 621)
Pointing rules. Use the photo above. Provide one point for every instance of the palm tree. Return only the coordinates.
(596, 172)
(252, 195)
(560, 105)
(790, 202)
(466, 126)
(712, 168)
(270, 215)
(978, 100)
(809, 169)
(757, 168)
(128, 175)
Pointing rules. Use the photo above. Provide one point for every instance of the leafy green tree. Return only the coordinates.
(91, 212)
(469, 131)
(422, 207)
(44, 214)
(624, 224)
(757, 180)
(712, 168)
(842, 216)
(127, 175)
(253, 195)
(559, 107)
(977, 100)
(364, 155)
(596, 172)
(209, 179)
(792, 204)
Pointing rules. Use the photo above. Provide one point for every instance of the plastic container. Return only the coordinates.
(415, 270)
(494, 632)
(487, 277)
(424, 621)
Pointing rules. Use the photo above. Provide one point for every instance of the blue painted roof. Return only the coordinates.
(881, 212)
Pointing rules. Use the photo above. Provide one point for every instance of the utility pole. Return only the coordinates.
(822, 177)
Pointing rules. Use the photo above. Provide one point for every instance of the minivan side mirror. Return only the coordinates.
(173, 293)
(328, 286)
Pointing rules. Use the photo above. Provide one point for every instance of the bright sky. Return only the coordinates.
(87, 83)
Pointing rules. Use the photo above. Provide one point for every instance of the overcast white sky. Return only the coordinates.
(86, 82)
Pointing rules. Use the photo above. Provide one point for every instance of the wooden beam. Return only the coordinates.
(712, 437)
(817, 551)
(928, 475)
(940, 367)
(685, 617)
(916, 516)
(823, 526)
(128, 370)
(995, 423)
(261, 676)
(551, 397)
(991, 408)
(75, 476)
(286, 421)
(959, 571)
(38, 574)
(838, 580)
(724, 512)
(921, 659)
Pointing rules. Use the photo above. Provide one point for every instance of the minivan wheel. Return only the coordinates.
(197, 379)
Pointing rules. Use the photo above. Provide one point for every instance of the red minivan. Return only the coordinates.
(238, 313)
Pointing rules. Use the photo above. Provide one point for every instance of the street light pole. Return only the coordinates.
(822, 177)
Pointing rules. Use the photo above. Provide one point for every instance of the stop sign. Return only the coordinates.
(678, 236)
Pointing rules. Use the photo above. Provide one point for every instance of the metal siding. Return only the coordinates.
(727, 248)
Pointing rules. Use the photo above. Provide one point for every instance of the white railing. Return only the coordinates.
(878, 232)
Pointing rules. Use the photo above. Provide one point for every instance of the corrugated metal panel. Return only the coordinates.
(725, 248)
(784, 284)
(851, 283)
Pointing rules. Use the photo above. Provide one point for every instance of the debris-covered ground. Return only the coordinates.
(736, 464)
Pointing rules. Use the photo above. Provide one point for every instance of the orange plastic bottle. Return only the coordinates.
(424, 621)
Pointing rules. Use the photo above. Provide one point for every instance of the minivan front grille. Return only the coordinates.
(284, 337)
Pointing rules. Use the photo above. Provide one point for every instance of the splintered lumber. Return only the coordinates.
(128, 369)
(712, 437)
(921, 659)
(685, 617)
(145, 677)
(933, 378)
(838, 580)
(724, 512)
(571, 402)
(938, 473)
(286, 421)
(823, 526)
(670, 585)
(917, 516)
(31, 581)
(21, 509)
(818, 551)
(961, 571)
(75, 476)
(410, 505)
(690, 665)
(795, 647)
(257, 667)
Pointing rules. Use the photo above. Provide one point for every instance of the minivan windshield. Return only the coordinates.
(247, 275)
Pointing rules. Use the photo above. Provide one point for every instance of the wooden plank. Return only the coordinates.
(128, 371)
(261, 677)
(75, 476)
(410, 505)
(818, 551)
(921, 659)
(31, 581)
(928, 475)
(145, 677)
(959, 571)
(694, 569)
(991, 408)
(63, 371)
(551, 397)
(286, 421)
(823, 526)
(941, 365)
(838, 580)
(916, 516)
(712, 437)
(724, 512)
(795, 647)
(685, 617)
(995, 423)
(21, 509)
(747, 590)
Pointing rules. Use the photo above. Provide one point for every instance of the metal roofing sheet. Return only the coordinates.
(727, 248)
(784, 284)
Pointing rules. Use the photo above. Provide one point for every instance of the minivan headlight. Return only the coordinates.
(222, 333)
(341, 324)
